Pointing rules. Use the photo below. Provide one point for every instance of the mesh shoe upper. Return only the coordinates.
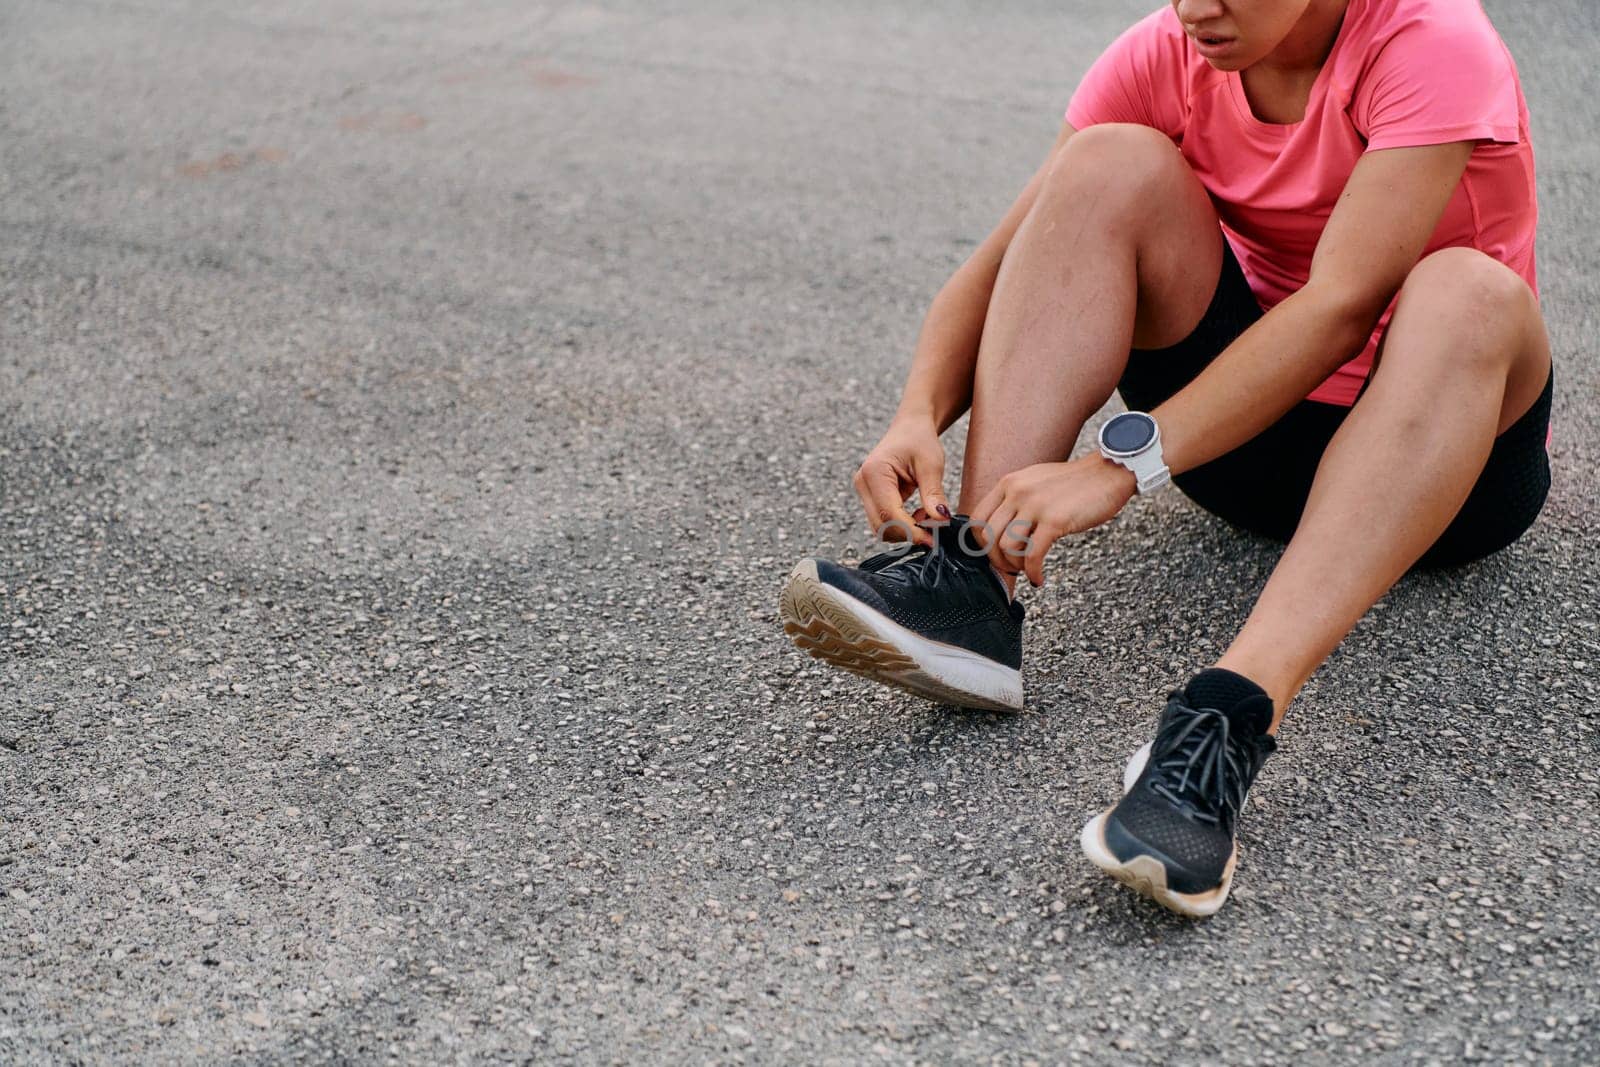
(945, 593)
(1183, 809)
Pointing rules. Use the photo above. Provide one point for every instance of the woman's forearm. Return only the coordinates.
(939, 385)
(1270, 368)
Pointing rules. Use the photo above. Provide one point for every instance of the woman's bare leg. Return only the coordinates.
(1121, 249)
(1465, 355)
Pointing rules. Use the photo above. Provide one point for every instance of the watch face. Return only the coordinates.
(1129, 432)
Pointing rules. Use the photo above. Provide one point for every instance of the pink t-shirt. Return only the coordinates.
(1402, 73)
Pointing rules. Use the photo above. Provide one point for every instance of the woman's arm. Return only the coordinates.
(939, 386)
(909, 457)
(1377, 233)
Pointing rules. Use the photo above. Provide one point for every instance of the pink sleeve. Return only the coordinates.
(1438, 81)
(1139, 79)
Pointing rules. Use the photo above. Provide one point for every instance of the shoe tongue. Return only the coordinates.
(1246, 704)
(959, 546)
(953, 544)
(1252, 716)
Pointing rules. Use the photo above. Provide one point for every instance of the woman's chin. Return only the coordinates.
(1222, 53)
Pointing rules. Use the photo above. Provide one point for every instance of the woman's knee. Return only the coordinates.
(1486, 307)
(1464, 280)
(1120, 160)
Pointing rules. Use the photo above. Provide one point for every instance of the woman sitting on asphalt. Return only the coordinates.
(1361, 170)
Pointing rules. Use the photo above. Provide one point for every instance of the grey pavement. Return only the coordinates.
(408, 412)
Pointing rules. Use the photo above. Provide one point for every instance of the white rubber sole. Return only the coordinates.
(1145, 874)
(838, 629)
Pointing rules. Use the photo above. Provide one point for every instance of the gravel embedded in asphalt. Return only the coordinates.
(407, 417)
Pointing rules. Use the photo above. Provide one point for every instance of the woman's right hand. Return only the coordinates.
(909, 457)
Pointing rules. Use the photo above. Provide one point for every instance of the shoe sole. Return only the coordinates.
(1147, 875)
(838, 629)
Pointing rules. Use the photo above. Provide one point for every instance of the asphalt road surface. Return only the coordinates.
(408, 412)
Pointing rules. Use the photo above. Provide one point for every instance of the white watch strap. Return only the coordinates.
(1150, 470)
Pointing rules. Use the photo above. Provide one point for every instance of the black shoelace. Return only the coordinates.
(1202, 765)
(921, 562)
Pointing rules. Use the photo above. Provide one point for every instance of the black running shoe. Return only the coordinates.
(1171, 836)
(935, 621)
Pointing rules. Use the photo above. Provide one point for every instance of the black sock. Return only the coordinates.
(1241, 700)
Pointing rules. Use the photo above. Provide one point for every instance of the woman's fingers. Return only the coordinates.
(980, 514)
(1015, 539)
(878, 486)
(994, 534)
(930, 483)
(1029, 510)
(1039, 547)
(990, 522)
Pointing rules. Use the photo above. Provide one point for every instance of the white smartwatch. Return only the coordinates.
(1133, 440)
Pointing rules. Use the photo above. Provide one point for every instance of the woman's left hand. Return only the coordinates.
(1023, 516)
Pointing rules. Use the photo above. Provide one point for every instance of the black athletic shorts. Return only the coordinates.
(1263, 484)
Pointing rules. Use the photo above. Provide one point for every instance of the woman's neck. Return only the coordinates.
(1278, 87)
(1302, 53)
